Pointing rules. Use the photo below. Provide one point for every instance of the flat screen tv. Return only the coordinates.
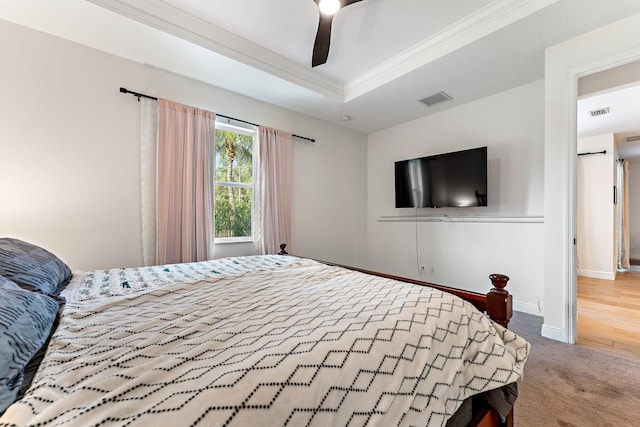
(457, 179)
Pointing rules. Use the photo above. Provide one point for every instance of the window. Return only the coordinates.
(233, 183)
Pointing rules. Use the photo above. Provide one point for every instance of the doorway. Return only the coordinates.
(608, 292)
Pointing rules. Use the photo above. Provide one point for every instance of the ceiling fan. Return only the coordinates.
(328, 8)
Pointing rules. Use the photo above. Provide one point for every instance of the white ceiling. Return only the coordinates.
(623, 104)
(385, 54)
(623, 118)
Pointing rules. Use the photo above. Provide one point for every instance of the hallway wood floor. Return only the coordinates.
(609, 313)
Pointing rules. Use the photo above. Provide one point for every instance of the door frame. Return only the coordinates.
(597, 66)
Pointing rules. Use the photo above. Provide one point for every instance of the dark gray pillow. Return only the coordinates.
(31, 266)
(25, 321)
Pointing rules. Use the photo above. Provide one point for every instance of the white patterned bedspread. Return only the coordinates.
(263, 341)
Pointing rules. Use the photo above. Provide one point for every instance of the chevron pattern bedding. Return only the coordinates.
(262, 341)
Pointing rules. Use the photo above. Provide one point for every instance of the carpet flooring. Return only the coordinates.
(573, 386)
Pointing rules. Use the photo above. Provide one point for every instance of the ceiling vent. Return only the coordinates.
(435, 99)
(635, 138)
(599, 112)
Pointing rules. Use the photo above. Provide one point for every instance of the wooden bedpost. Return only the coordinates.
(499, 301)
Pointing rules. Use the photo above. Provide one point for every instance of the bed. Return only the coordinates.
(247, 341)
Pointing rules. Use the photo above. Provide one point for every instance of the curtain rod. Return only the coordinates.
(597, 152)
(142, 95)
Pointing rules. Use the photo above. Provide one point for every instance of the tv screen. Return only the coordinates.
(457, 179)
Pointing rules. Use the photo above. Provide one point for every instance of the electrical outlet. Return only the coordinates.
(422, 270)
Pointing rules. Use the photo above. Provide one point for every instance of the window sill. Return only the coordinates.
(227, 240)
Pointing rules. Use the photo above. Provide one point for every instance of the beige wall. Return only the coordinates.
(595, 176)
(69, 156)
(618, 76)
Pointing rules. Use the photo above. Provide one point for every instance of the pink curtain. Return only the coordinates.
(276, 176)
(186, 138)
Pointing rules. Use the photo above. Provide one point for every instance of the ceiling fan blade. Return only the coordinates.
(323, 36)
(323, 39)
(348, 2)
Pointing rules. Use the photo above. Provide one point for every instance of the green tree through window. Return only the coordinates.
(233, 181)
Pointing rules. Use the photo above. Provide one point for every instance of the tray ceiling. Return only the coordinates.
(385, 55)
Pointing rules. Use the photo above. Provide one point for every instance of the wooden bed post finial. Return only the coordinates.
(499, 301)
(499, 282)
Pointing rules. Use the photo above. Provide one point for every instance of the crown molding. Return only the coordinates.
(496, 15)
(174, 21)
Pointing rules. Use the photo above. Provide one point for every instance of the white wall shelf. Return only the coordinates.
(465, 218)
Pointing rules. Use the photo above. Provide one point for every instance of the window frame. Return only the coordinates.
(247, 130)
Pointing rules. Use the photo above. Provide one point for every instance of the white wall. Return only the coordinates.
(69, 156)
(607, 47)
(595, 209)
(463, 254)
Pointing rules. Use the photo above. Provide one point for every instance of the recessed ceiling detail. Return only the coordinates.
(383, 56)
(163, 15)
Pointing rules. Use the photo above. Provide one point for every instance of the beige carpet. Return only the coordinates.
(569, 385)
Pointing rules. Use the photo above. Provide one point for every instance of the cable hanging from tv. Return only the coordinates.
(142, 95)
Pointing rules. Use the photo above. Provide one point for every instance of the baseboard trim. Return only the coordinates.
(527, 307)
(554, 333)
(597, 274)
